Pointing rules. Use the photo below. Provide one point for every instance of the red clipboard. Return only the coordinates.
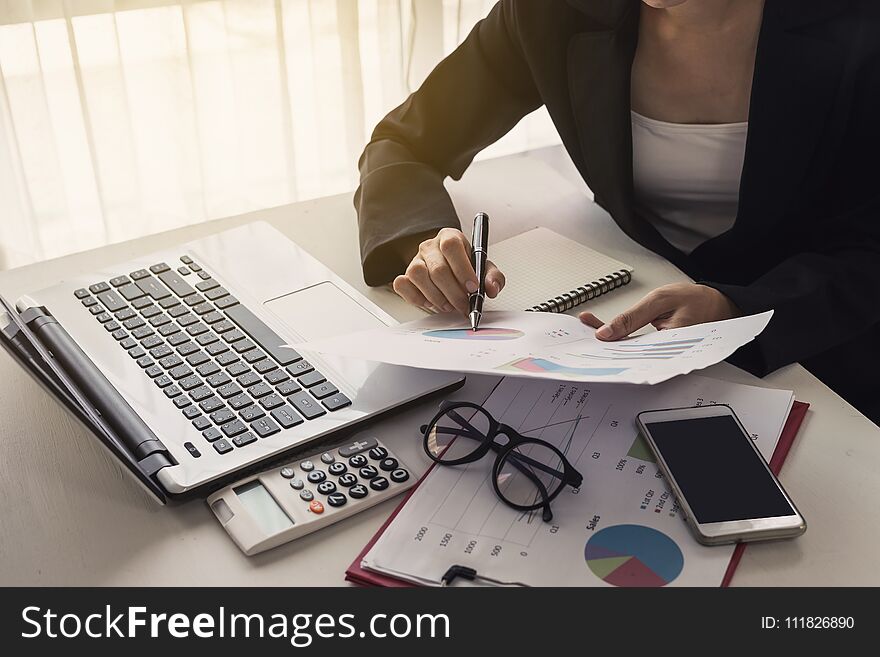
(362, 577)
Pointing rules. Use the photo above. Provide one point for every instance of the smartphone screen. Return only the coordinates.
(718, 471)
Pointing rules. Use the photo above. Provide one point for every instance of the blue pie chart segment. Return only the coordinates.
(633, 555)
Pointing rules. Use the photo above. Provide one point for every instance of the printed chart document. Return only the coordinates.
(546, 346)
(623, 527)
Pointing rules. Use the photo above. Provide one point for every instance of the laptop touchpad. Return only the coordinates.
(321, 311)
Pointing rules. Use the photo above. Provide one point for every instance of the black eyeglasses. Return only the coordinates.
(528, 473)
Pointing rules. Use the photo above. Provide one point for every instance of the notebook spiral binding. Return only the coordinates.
(583, 294)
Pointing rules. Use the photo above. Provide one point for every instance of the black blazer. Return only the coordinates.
(806, 241)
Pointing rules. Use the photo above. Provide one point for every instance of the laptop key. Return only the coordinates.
(176, 284)
(172, 391)
(180, 372)
(190, 412)
(212, 318)
(112, 301)
(184, 271)
(204, 275)
(323, 390)
(251, 413)
(203, 308)
(264, 366)
(169, 329)
(244, 439)
(313, 378)
(97, 288)
(242, 346)
(137, 353)
(226, 302)
(133, 323)
(208, 368)
(177, 339)
(170, 361)
(190, 382)
(182, 402)
(131, 292)
(139, 274)
(222, 446)
(161, 351)
(201, 423)
(90, 302)
(207, 284)
(142, 332)
(145, 362)
(216, 293)
(211, 404)
(197, 329)
(185, 259)
(200, 393)
(336, 402)
(222, 416)
(306, 405)
(228, 390)
(119, 281)
(237, 369)
(177, 311)
(253, 355)
(95, 308)
(153, 371)
(270, 341)
(288, 388)
(272, 401)
(248, 379)
(211, 434)
(169, 302)
(128, 343)
(194, 299)
(240, 401)
(187, 319)
(159, 268)
(218, 379)
(140, 304)
(149, 285)
(151, 342)
(187, 348)
(233, 336)
(125, 313)
(195, 267)
(259, 390)
(277, 376)
(197, 358)
(265, 427)
(226, 358)
(150, 311)
(223, 326)
(103, 317)
(81, 293)
(163, 381)
(233, 428)
(300, 368)
(207, 338)
(286, 416)
(160, 320)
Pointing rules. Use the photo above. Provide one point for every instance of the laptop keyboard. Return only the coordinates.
(216, 361)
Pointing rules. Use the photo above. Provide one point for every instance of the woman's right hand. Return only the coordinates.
(441, 275)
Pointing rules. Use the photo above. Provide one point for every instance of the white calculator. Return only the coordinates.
(286, 502)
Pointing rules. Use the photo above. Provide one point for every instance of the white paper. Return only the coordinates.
(623, 509)
(546, 346)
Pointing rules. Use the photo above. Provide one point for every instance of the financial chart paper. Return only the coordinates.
(545, 346)
(622, 528)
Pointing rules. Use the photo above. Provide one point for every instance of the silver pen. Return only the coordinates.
(479, 258)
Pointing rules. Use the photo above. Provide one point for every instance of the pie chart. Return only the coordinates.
(468, 334)
(633, 555)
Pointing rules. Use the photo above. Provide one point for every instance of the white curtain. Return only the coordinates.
(120, 118)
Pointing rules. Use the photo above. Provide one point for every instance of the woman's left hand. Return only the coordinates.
(670, 306)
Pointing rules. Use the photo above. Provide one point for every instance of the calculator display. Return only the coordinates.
(263, 507)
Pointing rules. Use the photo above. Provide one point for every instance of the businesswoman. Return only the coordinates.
(740, 139)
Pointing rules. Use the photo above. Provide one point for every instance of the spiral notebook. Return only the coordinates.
(547, 272)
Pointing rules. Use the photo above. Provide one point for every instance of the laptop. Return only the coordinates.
(179, 362)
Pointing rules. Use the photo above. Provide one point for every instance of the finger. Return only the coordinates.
(590, 320)
(418, 274)
(444, 280)
(641, 314)
(455, 249)
(409, 292)
(495, 280)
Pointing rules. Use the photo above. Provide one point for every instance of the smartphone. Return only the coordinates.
(721, 480)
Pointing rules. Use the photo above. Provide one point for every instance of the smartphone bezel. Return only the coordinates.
(731, 531)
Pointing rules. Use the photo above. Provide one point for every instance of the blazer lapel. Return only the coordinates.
(797, 80)
(599, 73)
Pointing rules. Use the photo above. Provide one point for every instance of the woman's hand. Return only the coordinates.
(441, 275)
(670, 306)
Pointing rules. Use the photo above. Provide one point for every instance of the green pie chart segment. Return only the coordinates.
(633, 555)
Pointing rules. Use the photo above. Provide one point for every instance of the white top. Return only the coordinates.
(686, 177)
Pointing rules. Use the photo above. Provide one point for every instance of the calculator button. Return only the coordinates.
(337, 499)
(399, 476)
(222, 446)
(379, 483)
(307, 466)
(316, 507)
(378, 453)
(368, 472)
(317, 476)
(326, 487)
(337, 468)
(306, 495)
(358, 492)
(357, 447)
(296, 483)
(357, 461)
(389, 464)
(287, 473)
(327, 458)
(347, 480)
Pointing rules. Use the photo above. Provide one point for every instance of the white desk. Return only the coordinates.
(71, 516)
